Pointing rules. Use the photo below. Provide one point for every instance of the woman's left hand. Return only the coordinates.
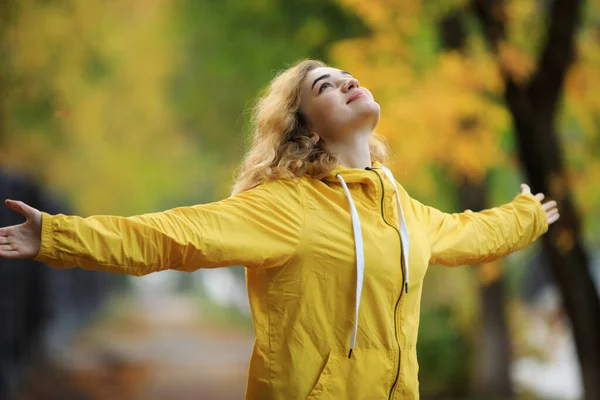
(550, 207)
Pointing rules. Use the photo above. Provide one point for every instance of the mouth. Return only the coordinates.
(355, 96)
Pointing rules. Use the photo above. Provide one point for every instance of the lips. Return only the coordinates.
(355, 96)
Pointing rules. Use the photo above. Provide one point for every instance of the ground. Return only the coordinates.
(152, 349)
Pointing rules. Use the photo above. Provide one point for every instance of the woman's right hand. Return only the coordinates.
(24, 240)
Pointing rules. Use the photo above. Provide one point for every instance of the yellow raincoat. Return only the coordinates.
(317, 253)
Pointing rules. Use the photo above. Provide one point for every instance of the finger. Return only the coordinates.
(525, 188)
(549, 205)
(22, 208)
(540, 196)
(552, 211)
(7, 247)
(553, 219)
(17, 206)
(3, 239)
(9, 254)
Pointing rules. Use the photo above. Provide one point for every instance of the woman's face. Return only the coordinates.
(335, 105)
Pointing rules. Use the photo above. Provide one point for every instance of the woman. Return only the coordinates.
(335, 250)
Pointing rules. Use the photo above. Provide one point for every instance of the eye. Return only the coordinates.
(323, 86)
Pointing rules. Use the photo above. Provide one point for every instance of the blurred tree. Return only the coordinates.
(85, 106)
(229, 51)
(533, 100)
(130, 107)
(7, 10)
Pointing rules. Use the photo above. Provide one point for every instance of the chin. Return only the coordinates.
(370, 111)
(366, 117)
(369, 107)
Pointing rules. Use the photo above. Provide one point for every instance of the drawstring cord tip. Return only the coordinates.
(350, 354)
(406, 287)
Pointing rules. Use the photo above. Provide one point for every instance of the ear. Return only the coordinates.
(315, 138)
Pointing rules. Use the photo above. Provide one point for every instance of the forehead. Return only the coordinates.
(320, 71)
(315, 73)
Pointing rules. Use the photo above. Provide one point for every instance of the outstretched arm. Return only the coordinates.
(477, 237)
(258, 228)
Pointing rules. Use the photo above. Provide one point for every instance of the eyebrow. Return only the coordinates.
(327, 76)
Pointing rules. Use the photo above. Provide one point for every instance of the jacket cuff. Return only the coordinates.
(541, 220)
(47, 252)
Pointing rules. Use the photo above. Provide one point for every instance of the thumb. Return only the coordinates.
(525, 188)
(19, 207)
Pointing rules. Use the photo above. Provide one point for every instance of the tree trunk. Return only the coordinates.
(533, 108)
(568, 261)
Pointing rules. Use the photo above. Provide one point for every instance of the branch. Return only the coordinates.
(488, 12)
(491, 18)
(557, 56)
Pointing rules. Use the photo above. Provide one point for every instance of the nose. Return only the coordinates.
(351, 83)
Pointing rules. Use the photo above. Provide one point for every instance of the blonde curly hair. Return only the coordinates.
(282, 147)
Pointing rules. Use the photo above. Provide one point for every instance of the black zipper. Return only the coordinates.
(401, 289)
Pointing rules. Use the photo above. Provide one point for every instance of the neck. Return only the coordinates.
(353, 151)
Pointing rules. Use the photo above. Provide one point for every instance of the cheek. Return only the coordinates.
(327, 110)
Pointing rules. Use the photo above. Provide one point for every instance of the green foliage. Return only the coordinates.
(229, 51)
(132, 107)
(442, 351)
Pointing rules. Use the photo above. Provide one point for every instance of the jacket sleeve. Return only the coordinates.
(259, 228)
(476, 237)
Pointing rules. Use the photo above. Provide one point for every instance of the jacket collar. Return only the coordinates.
(352, 175)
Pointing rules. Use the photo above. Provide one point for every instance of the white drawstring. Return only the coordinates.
(360, 259)
(402, 225)
(360, 256)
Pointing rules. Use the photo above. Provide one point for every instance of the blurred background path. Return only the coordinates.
(157, 348)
